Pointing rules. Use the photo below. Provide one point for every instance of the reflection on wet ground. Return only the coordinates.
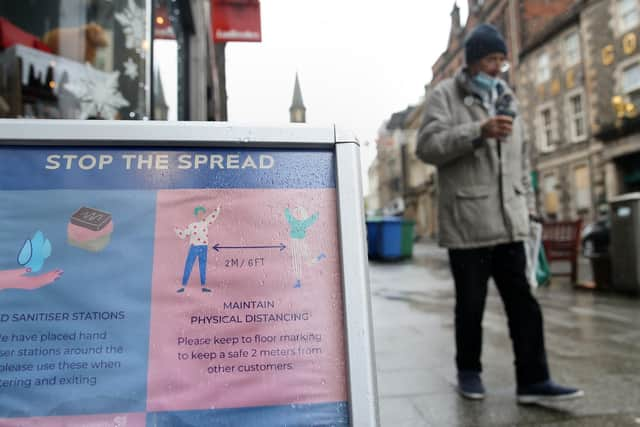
(592, 338)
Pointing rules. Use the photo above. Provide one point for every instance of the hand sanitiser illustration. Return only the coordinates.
(31, 257)
(34, 252)
(90, 229)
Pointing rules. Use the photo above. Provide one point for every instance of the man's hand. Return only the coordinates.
(535, 217)
(497, 127)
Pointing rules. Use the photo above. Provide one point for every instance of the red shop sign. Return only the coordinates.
(236, 21)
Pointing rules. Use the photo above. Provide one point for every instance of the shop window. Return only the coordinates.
(628, 15)
(543, 73)
(572, 49)
(576, 116)
(74, 59)
(550, 193)
(581, 188)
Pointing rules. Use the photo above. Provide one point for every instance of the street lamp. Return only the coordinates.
(624, 109)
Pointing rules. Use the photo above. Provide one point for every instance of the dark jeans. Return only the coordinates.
(506, 263)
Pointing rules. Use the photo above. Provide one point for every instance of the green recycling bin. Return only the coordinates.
(389, 238)
(406, 245)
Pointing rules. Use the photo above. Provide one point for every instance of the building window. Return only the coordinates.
(631, 83)
(396, 185)
(169, 60)
(546, 129)
(576, 116)
(581, 188)
(572, 49)
(628, 15)
(550, 193)
(543, 70)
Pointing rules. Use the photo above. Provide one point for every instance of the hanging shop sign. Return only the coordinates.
(236, 21)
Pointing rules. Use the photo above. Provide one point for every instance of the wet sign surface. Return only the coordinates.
(175, 287)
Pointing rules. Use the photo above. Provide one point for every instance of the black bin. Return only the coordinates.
(595, 246)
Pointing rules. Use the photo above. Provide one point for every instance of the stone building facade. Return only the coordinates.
(576, 73)
(556, 114)
(390, 167)
(581, 75)
(611, 29)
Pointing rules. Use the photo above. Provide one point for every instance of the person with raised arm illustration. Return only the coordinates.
(198, 233)
(299, 222)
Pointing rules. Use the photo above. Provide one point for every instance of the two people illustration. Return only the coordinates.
(299, 222)
(198, 233)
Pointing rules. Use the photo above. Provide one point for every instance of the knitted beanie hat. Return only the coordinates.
(484, 40)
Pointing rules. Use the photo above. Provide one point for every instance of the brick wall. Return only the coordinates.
(536, 15)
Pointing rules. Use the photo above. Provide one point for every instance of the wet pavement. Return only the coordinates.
(592, 338)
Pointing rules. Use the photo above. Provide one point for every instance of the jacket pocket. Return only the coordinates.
(477, 214)
(473, 192)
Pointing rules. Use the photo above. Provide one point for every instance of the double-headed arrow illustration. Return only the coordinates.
(217, 247)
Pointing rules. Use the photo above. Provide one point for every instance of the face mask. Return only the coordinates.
(485, 81)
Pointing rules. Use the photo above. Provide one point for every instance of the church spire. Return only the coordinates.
(297, 111)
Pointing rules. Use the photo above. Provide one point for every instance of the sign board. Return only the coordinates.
(166, 274)
(236, 21)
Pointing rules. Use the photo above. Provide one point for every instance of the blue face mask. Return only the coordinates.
(485, 81)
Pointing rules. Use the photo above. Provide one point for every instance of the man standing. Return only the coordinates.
(198, 233)
(472, 134)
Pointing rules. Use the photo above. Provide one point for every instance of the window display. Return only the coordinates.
(74, 59)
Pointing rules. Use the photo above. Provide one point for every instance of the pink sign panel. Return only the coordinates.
(264, 327)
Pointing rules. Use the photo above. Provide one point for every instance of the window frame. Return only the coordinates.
(635, 88)
(546, 194)
(633, 61)
(543, 74)
(574, 181)
(572, 116)
(620, 25)
(546, 134)
(566, 48)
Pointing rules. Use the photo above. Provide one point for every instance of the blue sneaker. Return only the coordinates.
(470, 385)
(546, 391)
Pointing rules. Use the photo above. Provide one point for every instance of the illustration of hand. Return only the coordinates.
(17, 279)
(179, 232)
(34, 252)
(213, 216)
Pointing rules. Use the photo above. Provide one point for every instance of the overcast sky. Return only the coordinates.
(358, 61)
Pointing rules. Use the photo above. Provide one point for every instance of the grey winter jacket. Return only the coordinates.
(484, 197)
